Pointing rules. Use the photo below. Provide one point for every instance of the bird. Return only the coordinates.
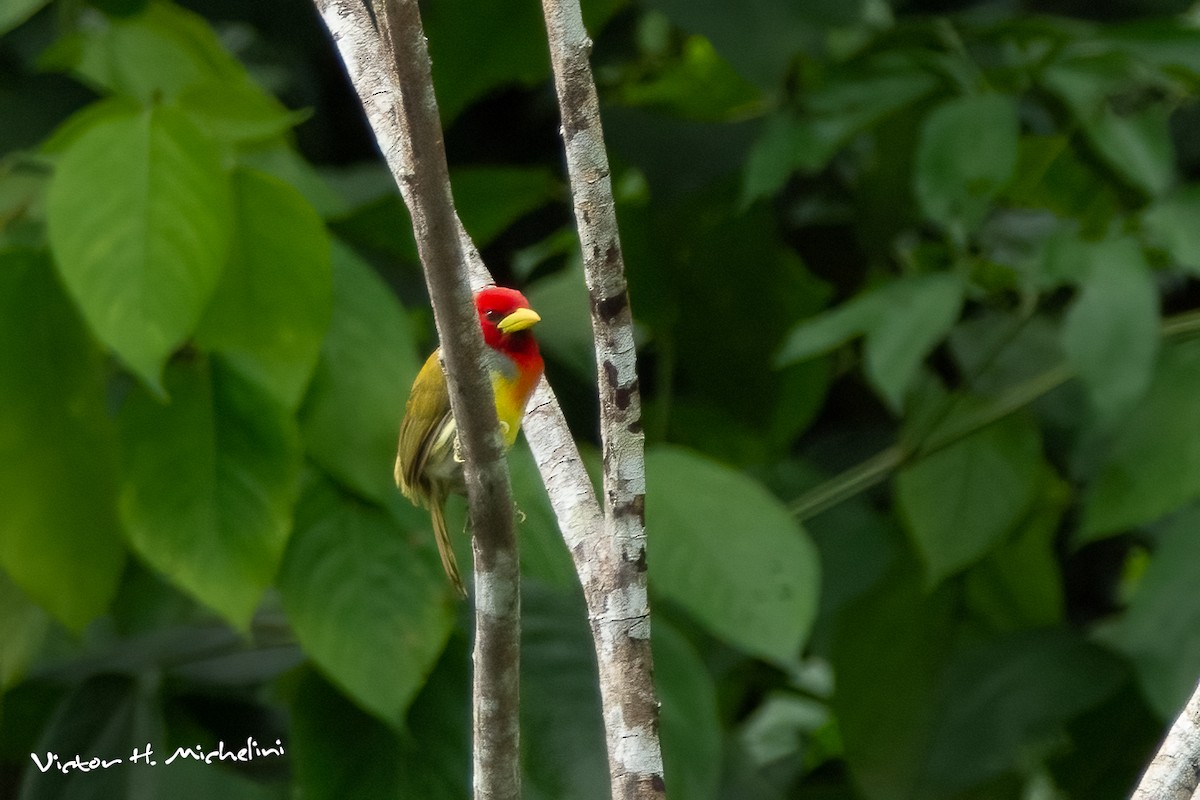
(428, 458)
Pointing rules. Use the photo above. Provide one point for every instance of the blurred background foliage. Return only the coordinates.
(916, 286)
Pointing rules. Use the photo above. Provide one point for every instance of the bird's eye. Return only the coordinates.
(492, 315)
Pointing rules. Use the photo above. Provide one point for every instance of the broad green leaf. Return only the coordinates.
(377, 762)
(782, 726)
(208, 484)
(238, 111)
(832, 328)
(690, 722)
(832, 115)
(1111, 331)
(271, 309)
(699, 85)
(1171, 223)
(1153, 466)
(1136, 145)
(562, 727)
(1006, 701)
(156, 54)
(367, 600)
(60, 540)
(1051, 175)
(106, 717)
(139, 223)
(959, 502)
(23, 627)
(544, 555)
(15, 12)
(1160, 631)
(966, 155)
(771, 160)
(855, 101)
(489, 200)
(917, 314)
(331, 766)
(284, 162)
(901, 632)
(761, 37)
(997, 351)
(469, 59)
(565, 332)
(351, 415)
(731, 554)
(1019, 585)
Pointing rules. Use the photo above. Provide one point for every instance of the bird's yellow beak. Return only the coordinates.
(519, 320)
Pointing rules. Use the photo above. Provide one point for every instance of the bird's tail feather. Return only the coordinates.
(445, 550)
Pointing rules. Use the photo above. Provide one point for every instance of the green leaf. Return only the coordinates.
(105, 717)
(832, 115)
(139, 222)
(899, 631)
(772, 157)
(154, 55)
(760, 593)
(1111, 331)
(833, 328)
(917, 314)
(368, 602)
(271, 309)
(959, 502)
(1020, 585)
(1052, 175)
(60, 540)
(565, 332)
(23, 627)
(544, 555)
(698, 85)
(966, 154)
(238, 112)
(351, 415)
(1005, 701)
(562, 727)
(1159, 630)
(690, 724)
(329, 766)
(14, 12)
(428, 760)
(1136, 145)
(1171, 223)
(489, 200)
(760, 38)
(1153, 466)
(469, 59)
(208, 483)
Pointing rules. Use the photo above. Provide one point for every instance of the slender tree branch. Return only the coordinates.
(411, 137)
(1174, 772)
(877, 468)
(596, 552)
(613, 577)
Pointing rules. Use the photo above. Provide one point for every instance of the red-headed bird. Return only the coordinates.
(428, 463)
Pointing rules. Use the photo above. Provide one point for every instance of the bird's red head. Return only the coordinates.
(505, 317)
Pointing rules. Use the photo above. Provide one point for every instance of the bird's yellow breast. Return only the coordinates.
(510, 405)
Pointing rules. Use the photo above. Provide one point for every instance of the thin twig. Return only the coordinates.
(877, 468)
(411, 137)
(613, 577)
